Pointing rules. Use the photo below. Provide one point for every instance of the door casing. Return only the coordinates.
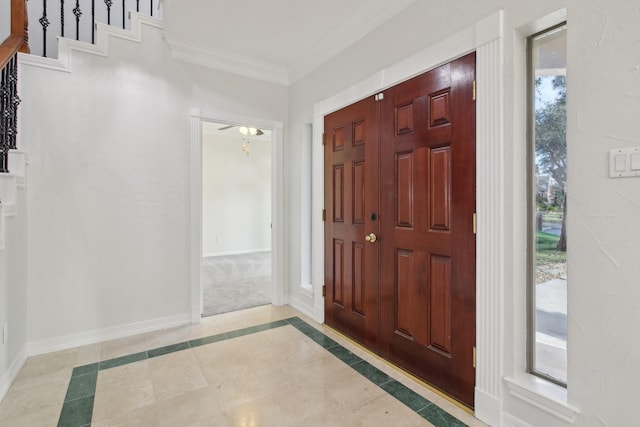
(199, 115)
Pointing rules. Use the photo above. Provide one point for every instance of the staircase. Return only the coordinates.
(52, 22)
(77, 19)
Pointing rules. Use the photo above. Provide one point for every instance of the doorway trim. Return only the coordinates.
(486, 39)
(198, 116)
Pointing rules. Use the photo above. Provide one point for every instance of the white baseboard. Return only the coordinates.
(242, 252)
(303, 307)
(12, 372)
(488, 408)
(509, 420)
(91, 337)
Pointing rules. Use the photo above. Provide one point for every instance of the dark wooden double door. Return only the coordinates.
(399, 230)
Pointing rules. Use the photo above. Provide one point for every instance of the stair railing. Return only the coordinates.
(56, 16)
(18, 41)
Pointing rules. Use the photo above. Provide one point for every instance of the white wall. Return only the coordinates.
(13, 291)
(604, 234)
(5, 19)
(109, 184)
(236, 195)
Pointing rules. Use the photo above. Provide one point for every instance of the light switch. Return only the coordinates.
(624, 162)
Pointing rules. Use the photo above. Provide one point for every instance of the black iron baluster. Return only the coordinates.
(9, 109)
(45, 23)
(62, 18)
(137, 5)
(14, 101)
(123, 13)
(151, 7)
(93, 21)
(4, 146)
(78, 13)
(108, 3)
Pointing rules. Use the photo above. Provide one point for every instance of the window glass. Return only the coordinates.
(548, 176)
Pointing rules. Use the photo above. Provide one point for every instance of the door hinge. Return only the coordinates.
(324, 214)
(474, 90)
(475, 223)
(324, 138)
(474, 356)
(324, 291)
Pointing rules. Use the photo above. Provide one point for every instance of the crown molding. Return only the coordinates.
(223, 60)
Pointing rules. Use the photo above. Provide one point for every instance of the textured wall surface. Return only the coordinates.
(109, 189)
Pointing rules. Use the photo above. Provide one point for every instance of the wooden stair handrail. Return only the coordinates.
(18, 41)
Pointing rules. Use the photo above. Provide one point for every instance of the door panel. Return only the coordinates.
(351, 178)
(427, 307)
(410, 160)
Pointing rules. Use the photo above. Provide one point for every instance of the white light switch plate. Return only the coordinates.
(624, 162)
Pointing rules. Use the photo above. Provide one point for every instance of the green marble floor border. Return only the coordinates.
(77, 409)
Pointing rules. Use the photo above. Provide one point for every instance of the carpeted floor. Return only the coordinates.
(235, 282)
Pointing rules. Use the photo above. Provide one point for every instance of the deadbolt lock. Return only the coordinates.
(371, 237)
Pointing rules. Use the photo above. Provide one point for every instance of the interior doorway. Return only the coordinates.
(236, 217)
(198, 117)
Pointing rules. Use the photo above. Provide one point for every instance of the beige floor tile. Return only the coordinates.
(197, 407)
(235, 391)
(250, 317)
(34, 395)
(324, 372)
(122, 391)
(355, 392)
(55, 378)
(88, 354)
(145, 416)
(226, 359)
(203, 329)
(217, 421)
(46, 416)
(175, 374)
(288, 407)
(385, 411)
(46, 364)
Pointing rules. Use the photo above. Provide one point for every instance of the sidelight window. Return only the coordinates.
(547, 173)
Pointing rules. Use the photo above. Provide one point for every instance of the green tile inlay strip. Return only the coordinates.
(85, 369)
(77, 409)
(439, 417)
(167, 349)
(77, 413)
(124, 360)
(81, 386)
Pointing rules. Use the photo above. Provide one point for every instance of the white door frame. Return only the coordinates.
(199, 115)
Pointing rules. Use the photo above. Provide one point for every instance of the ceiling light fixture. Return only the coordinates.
(250, 131)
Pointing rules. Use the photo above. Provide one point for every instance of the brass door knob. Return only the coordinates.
(371, 237)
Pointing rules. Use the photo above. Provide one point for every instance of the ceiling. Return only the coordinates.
(279, 41)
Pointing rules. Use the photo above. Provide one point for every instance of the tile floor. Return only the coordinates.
(265, 366)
